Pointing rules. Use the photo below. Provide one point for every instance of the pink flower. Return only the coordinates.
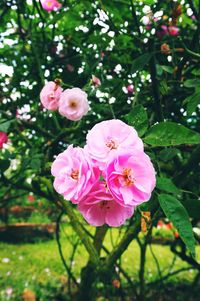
(163, 31)
(3, 139)
(130, 89)
(96, 81)
(108, 136)
(50, 5)
(74, 173)
(130, 177)
(173, 30)
(73, 104)
(50, 95)
(98, 207)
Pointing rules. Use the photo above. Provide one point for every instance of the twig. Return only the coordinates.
(68, 270)
(182, 254)
(172, 264)
(156, 262)
(71, 261)
(171, 274)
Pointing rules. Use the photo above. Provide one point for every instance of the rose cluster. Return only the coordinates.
(107, 178)
(71, 103)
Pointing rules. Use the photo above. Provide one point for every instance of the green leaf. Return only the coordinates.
(36, 163)
(190, 83)
(36, 160)
(192, 102)
(4, 126)
(163, 87)
(168, 69)
(178, 215)
(168, 154)
(159, 70)
(137, 118)
(196, 72)
(140, 62)
(170, 133)
(167, 185)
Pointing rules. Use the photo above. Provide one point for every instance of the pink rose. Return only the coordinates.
(108, 136)
(73, 104)
(130, 177)
(50, 5)
(173, 30)
(50, 95)
(96, 81)
(3, 139)
(98, 207)
(74, 173)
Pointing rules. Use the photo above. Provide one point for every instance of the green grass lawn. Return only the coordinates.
(38, 266)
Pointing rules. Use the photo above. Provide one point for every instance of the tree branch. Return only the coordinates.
(77, 227)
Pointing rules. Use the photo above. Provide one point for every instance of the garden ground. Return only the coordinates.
(38, 267)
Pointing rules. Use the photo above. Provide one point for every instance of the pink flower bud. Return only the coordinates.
(3, 139)
(130, 89)
(96, 81)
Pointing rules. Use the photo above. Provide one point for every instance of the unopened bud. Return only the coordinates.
(165, 49)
